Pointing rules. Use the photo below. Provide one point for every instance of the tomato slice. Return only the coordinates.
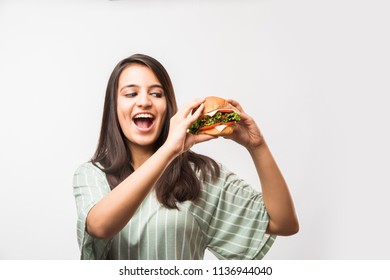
(225, 110)
(214, 125)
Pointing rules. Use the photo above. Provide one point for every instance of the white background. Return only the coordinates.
(314, 74)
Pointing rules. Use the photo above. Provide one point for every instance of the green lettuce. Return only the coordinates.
(218, 118)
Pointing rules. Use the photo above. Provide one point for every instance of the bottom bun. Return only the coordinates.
(226, 131)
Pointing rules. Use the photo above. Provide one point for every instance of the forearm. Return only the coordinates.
(114, 211)
(276, 195)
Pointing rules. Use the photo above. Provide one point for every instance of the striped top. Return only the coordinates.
(229, 219)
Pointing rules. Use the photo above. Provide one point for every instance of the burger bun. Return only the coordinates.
(212, 103)
(213, 131)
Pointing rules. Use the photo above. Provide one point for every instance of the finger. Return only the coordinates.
(203, 138)
(235, 109)
(195, 115)
(235, 104)
(238, 109)
(186, 109)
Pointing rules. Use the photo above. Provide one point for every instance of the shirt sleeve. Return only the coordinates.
(234, 218)
(89, 186)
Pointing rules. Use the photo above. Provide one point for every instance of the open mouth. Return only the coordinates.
(143, 121)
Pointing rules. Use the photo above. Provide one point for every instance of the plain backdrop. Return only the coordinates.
(314, 75)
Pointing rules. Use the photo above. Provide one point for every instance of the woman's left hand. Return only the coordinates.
(277, 199)
(246, 131)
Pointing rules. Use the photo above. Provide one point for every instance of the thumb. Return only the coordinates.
(203, 138)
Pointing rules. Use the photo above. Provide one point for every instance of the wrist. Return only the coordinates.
(167, 152)
(258, 149)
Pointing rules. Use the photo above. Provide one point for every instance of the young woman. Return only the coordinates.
(146, 195)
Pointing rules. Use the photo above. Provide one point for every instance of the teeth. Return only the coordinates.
(144, 116)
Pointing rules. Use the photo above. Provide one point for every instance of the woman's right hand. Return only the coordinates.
(179, 140)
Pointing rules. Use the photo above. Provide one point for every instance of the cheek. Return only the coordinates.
(164, 114)
(122, 113)
(119, 113)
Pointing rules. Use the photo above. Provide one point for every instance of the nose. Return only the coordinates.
(144, 100)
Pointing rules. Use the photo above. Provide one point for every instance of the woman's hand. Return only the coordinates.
(246, 131)
(178, 139)
(276, 195)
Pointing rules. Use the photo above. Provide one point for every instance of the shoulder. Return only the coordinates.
(88, 168)
(224, 174)
(228, 183)
(214, 184)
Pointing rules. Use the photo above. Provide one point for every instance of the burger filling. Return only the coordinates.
(220, 118)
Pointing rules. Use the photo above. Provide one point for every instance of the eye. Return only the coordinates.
(131, 94)
(156, 94)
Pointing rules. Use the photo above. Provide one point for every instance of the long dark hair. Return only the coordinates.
(179, 182)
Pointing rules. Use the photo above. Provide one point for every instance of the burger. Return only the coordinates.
(216, 118)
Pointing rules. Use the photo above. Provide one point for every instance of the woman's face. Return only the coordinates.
(141, 105)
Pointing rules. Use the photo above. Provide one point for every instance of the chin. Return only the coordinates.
(143, 140)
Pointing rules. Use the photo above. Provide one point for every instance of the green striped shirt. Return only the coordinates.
(229, 219)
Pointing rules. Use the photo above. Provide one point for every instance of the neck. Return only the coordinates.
(140, 154)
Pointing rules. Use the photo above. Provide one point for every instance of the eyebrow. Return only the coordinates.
(150, 87)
